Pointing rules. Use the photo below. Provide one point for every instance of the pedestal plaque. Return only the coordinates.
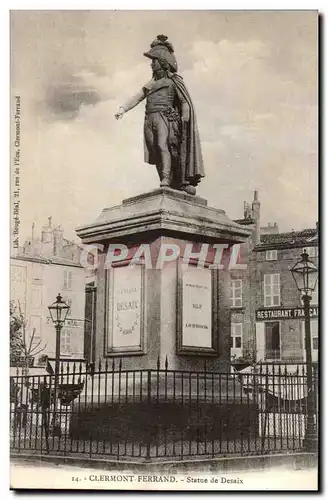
(125, 325)
(196, 332)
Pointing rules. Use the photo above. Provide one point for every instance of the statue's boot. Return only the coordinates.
(189, 189)
(166, 169)
(159, 171)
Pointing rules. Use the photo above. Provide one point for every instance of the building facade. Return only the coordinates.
(43, 268)
(279, 313)
(267, 316)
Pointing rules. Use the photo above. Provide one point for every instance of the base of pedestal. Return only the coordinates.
(149, 407)
(153, 422)
(151, 385)
(310, 443)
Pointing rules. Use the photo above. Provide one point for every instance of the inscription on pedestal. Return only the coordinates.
(197, 307)
(125, 309)
(196, 303)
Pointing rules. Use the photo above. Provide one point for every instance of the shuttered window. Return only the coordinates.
(271, 290)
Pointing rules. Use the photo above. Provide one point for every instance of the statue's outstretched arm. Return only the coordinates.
(131, 103)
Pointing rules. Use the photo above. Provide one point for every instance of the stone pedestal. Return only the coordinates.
(143, 311)
(162, 329)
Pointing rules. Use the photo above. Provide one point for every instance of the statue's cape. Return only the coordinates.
(191, 159)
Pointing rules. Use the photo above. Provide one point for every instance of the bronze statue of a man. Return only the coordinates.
(170, 131)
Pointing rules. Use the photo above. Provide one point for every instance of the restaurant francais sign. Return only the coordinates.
(285, 313)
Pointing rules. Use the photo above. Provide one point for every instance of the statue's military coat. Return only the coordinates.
(173, 101)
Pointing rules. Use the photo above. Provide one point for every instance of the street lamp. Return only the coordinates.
(305, 274)
(58, 313)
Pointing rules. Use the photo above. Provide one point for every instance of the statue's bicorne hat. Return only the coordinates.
(161, 48)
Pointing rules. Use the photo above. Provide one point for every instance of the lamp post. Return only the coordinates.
(305, 274)
(58, 313)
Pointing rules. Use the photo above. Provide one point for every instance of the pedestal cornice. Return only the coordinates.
(166, 212)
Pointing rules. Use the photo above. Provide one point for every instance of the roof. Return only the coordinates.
(63, 262)
(31, 258)
(43, 260)
(245, 222)
(304, 238)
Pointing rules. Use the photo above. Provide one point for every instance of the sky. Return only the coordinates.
(252, 77)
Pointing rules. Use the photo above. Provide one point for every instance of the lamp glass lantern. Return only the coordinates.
(305, 274)
(58, 311)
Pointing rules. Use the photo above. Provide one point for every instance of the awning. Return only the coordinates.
(289, 384)
(70, 370)
(18, 371)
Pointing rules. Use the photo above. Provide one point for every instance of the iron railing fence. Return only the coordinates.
(114, 412)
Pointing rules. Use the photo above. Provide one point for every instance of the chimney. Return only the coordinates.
(33, 239)
(47, 239)
(58, 240)
(256, 216)
(247, 211)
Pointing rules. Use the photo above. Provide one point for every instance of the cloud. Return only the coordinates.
(64, 100)
(226, 56)
(258, 129)
(65, 95)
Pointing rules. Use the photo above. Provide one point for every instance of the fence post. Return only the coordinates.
(265, 406)
(45, 397)
(149, 434)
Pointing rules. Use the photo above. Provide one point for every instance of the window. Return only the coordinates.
(271, 290)
(36, 298)
(65, 341)
(314, 338)
(272, 340)
(237, 339)
(35, 326)
(236, 293)
(271, 255)
(18, 273)
(67, 280)
(311, 251)
(314, 296)
(69, 303)
(37, 273)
